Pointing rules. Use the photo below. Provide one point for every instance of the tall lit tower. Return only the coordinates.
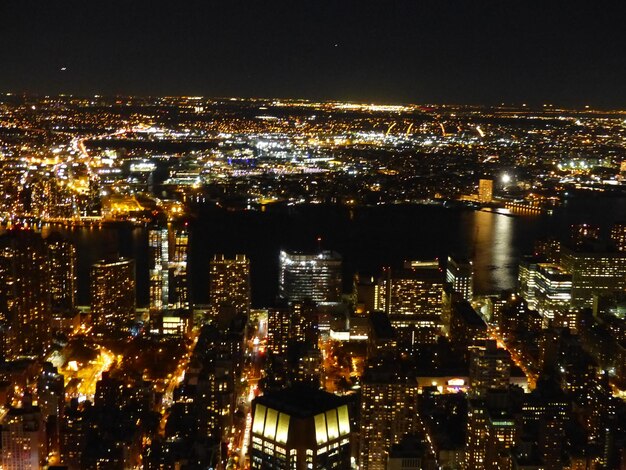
(113, 293)
(460, 275)
(158, 244)
(388, 412)
(413, 300)
(25, 313)
(315, 277)
(229, 284)
(62, 265)
(168, 268)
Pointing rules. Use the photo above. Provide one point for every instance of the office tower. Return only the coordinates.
(229, 285)
(490, 368)
(25, 311)
(179, 296)
(315, 277)
(168, 268)
(527, 279)
(594, 271)
(113, 294)
(460, 276)
(299, 428)
(22, 438)
(388, 412)
(553, 289)
(618, 235)
(159, 253)
(62, 265)
(485, 190)
(413, 300)
(583, 233)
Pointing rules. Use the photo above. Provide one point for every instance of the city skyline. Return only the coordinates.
(301, 236)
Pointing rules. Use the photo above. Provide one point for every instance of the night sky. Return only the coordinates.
(445, 51)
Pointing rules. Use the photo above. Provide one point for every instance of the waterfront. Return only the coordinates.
(367, 237)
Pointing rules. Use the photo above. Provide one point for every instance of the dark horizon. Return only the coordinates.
(567, 54)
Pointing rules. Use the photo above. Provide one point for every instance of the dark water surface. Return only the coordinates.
(368, 238)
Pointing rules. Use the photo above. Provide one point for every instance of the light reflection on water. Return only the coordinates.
(494, 253)
(368, 238)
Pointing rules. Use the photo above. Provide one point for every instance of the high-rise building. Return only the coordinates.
(229, 285)
(25, 312)
(527, 279)
(490, 368)
(278, 329)
(476, 439)
(62, 266)
(113, 294)
(460, 276)
(413, 300)
(553, 289)
(594, 271)
(22, 438)
(168, 268)
(315, 277)
(158, 244)
(388, 412)
(179, 290)
(618, 235)
(491, 432)
(300, 428)
(485, 190)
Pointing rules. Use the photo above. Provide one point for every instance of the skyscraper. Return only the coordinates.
(229, 284)
(159, 252)
(22, 438)
(388, 412)
(300, 428)
(594, 271)
(413, 300)
(168, 268)
(460, 275)
(113, 294)
(179, 291)
(62, 266)
(490, 368)
(25, 312)
(553, 290)
(315, 277)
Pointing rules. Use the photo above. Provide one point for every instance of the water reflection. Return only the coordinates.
(494, 252)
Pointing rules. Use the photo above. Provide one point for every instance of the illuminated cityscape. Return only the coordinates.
(312, 236)
(164, 351)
